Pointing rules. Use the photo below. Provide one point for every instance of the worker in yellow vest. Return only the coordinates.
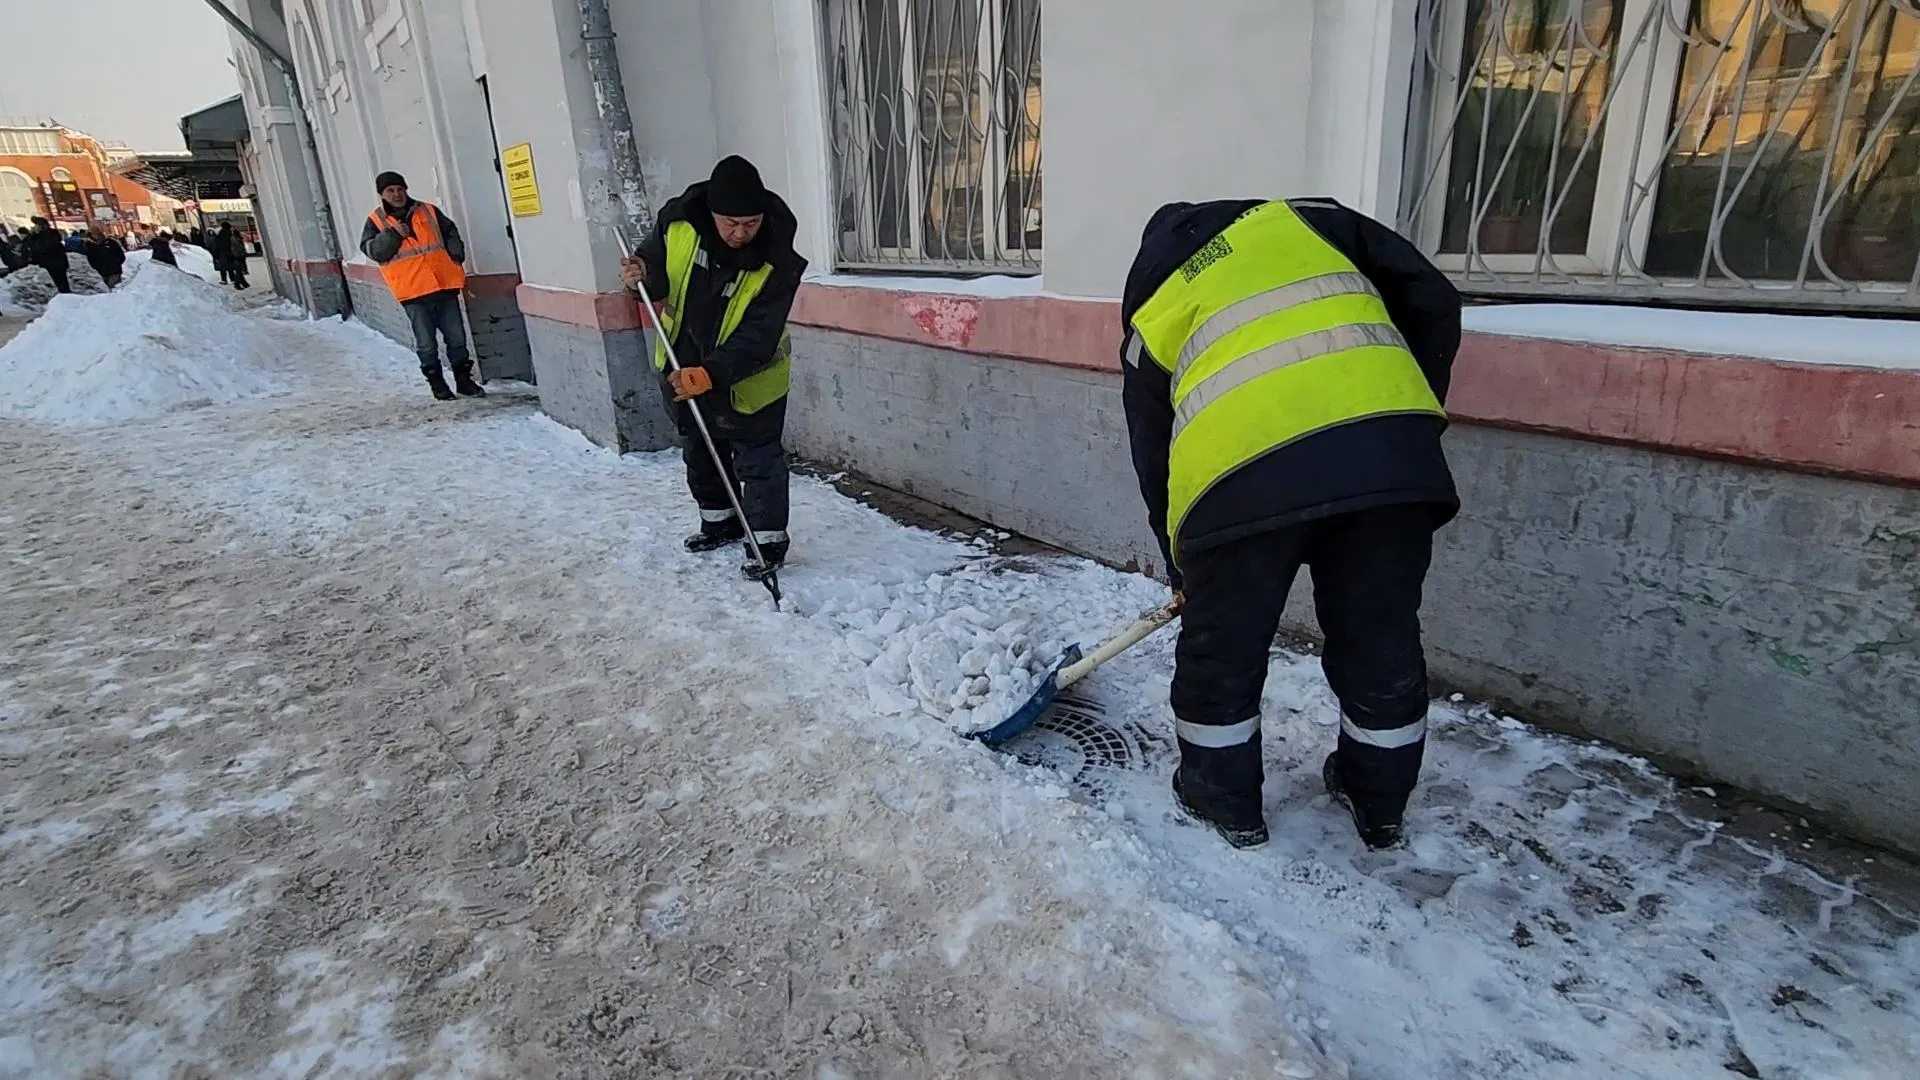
(1284, 367)
(720, 261)
(420, 251)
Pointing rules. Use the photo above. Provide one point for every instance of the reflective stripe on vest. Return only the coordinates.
(1270, 335)
(422, 266)
(763, 387)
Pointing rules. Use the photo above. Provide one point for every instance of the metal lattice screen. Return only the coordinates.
(936, 133)
(1761, 152)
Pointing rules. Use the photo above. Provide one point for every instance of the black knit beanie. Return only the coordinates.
(735, 190)
(386, 180)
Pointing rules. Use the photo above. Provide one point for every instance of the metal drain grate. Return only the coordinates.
(1075, 739)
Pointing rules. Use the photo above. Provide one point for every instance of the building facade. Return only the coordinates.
(64, 176)
(1690, 532)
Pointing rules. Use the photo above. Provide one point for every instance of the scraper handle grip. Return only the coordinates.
(1126, 639)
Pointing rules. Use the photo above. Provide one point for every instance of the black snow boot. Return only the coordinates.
(1240, 834)
(438, 381)
(1381, 827)
(776, 553)
(714, 535)
(463, 382)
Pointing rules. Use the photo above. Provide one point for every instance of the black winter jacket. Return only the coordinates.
(1377, 462)
(106, 256)
(46, 249)
(381, 245)
(752, 344)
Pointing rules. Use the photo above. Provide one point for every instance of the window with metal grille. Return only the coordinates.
(936, 133)
(1718, 152)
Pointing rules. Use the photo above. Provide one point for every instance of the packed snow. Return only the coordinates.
(197, 261)
(163, 341)
(28, 290)
(352, 732)
(1801, 339)
(967, 646)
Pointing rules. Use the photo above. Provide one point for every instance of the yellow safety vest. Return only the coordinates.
(763, 387)
(1270, 335)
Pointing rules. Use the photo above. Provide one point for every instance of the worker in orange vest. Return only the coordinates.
(420, 251)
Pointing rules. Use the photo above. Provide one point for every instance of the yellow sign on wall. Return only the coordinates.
(523, 191)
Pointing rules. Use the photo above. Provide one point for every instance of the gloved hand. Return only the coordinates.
(689, 382)
(633, 272)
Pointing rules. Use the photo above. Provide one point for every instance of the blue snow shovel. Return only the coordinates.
(1072, 668)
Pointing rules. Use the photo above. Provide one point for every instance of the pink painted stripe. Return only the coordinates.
(1853, 422)
(1051, 330)
(605, 312)
(1857, 422)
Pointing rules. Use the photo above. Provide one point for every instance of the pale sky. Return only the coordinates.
(119, 70)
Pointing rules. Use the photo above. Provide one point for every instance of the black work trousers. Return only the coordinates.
(1369, 568)
(756, 463)
(437, 313)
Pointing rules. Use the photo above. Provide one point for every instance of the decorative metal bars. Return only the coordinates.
(935, 113)
(1721, 152)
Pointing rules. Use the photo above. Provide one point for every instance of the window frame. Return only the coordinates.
(845, 25)
(1647, 115)
(1632, 96)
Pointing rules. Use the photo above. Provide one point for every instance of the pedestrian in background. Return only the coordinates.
(230, 251)
(420, 251)
(105, 255)
(46, 251)
(13, 255)
(162, 247)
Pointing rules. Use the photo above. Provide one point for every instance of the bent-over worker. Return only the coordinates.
(1285, 365)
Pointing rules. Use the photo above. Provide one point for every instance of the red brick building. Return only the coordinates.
(63, 175)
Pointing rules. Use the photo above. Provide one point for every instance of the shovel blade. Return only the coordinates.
(1042, 699)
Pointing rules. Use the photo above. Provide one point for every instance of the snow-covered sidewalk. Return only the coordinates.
(345, 732)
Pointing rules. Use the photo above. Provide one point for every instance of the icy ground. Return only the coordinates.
(346, 733)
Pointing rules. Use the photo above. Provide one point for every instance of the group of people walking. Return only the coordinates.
(41, 245)
(1284, 367)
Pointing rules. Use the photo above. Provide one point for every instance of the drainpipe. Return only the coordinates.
(610, 94)
(309, 151)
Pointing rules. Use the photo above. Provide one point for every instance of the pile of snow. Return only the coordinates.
(27, 291)
(194, 260)
(162, 342)
(933, 646)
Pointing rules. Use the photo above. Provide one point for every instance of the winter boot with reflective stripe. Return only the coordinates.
(773, 545)
(1380, 824)
(718, 528)
(1220, 778)
(1239, 830)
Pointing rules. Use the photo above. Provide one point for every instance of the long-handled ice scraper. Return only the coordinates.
(767, 575)
(1073, 667)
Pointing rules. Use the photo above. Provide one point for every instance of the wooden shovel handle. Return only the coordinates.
(1126, 639)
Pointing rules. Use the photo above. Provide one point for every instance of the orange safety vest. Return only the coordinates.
(423, 266)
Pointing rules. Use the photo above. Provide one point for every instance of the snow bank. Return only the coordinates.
(27, 291)
(195, 261)
(162, 342)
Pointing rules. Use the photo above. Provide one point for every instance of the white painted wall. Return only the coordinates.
(1144, 102)
(542, 95)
